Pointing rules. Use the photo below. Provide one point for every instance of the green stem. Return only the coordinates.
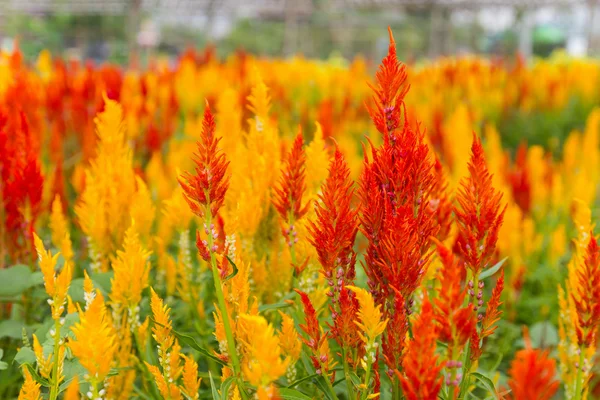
(142, 365)
(365, 394)
(349, 384)
(327, 381)
(579, 379)
(222, 306)
(54, 390)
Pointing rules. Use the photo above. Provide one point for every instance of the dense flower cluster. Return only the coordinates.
(292, 229)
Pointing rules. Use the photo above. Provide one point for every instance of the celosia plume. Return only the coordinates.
(479, 214)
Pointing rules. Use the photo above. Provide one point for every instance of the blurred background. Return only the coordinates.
(125, 31)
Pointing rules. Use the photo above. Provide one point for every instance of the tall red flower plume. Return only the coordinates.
(394, 337)
(532, 374)
(479, 214)
(205, 190)
(421, 379)
(334, 231)
(315, 340)
(457, 323)
(288, 196)
(489, 319)
(587, 303)
(344, 316)
(21, 185)
(390, 89)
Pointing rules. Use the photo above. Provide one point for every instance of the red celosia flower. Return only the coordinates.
(520, 181)
(390, 89)
(336, 225)
(488, 321)
(587, 302)
(479, 214)
(457, 323)
(205, 190)
(288, 196)
(532, 374)
(21, 184)
(311, 327)
(394, 337)
(421, 379)
(344, 317)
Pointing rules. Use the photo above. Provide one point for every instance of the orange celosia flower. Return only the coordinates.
(131, 269)
(191, 382)
(334, 231)
(457, 323)
(587, 300)
(288, 338)
(161, 331)
(288, 196)
(390, 89)
(479, 214)
(489, 319)
(56, 286)
(95, 343)
(30, 389)
(532, 374)
(205, 191)
(421, 379)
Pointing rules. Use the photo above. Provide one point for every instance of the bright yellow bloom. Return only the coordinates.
(44, 363)
(104, 206)
(95, 345)
(263, 363)
(371, 323)
(162, 327)
(56, 286)
(143, 210)
(61, 237)
(191, 382)
(30, 389)
(72, 392)
(131, 268)
(289, 339)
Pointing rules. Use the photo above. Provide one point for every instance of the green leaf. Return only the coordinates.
(492, 270)
(190, 341)
(36, 376)
(485, 381)
(215, 394)
(16, 279)
(274, 306)
(299, 381)
(225, 388)
(234, 272)
(11, 328)
(25, 356)
(543, 335)
(292, 394)
(3, 365)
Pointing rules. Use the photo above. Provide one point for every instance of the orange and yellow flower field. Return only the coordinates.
(294, 229)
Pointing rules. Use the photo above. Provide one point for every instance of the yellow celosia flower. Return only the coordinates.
(263, 362)
(131, 269)
(72, 392)
(289, 339)
(61, 237)
(30, 389)
(95, 343)
(104, 206)
(143, 211)
(56, 286)
(371, 323)
(317, 160)
(162, 327)
(191, 382)
(44, 363)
